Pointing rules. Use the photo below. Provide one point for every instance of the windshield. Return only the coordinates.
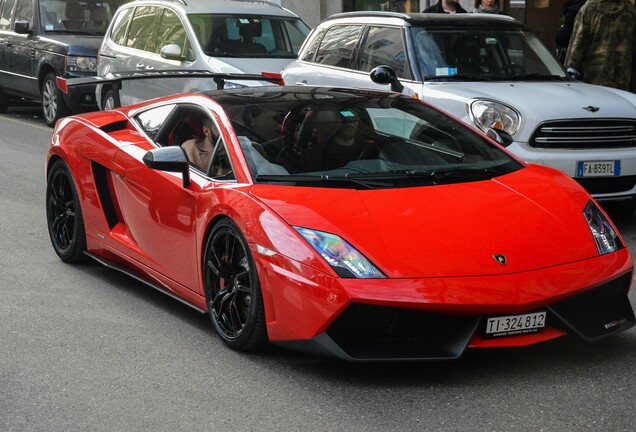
(483, 55)
(78, 17)
(249, 36)
(361, 142)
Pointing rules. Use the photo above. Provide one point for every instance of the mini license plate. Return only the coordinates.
(598, 168)
(515, 324)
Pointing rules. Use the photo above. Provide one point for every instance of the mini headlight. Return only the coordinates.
(606, 238)
(81, 64)
(340, 255)
(490, 114)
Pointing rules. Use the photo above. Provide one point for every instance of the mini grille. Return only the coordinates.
(587, 134)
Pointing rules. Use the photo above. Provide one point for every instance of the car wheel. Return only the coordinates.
(232, 289)
(64, 214)
(53, 106)
(4, 101)
(108, 102)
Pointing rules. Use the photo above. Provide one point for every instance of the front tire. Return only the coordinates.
(232, 289)
(108, 103)
(64, 214)
(53, 105)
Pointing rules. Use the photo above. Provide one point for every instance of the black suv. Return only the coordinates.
(43, 39)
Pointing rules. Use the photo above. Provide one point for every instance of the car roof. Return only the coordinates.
(437, 19)
(225, 7)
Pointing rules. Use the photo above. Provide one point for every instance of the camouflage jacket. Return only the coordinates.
(602, 43)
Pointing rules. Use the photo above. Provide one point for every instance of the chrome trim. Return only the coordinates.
(19, 75)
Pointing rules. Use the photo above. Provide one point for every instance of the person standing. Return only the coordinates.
(487, 6)
(445, 6)
(601, 48)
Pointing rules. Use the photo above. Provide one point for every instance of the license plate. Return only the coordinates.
(515, 324)
(598, 168)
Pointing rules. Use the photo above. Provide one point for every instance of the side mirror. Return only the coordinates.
(171, 52)
(171, 159)
(22, 27)
(500, 135)
(386, 75)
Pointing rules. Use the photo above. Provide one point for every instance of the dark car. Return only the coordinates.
(43, 39)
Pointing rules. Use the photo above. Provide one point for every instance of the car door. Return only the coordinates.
(159, 212)
(6, 39)
(19, 51)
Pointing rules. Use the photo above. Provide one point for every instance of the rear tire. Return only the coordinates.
(64, 214)
(52, 100)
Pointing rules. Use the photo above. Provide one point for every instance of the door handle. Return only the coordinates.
(150, 68)
(140, 65)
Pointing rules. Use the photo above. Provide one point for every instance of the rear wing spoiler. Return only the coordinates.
(115, 79)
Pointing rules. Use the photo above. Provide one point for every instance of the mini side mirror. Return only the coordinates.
(386, 75)
(171, 52)
(171, 159)
(22, 27)
(500, 135)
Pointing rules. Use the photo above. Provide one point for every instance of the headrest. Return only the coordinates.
(99, 14)
(74, 12)
(249, 27)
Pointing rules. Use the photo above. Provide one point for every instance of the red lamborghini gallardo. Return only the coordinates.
(359, 224)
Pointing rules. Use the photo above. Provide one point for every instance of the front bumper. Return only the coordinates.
(439, 318)
(80, 99)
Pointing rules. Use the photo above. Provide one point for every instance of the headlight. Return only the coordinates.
(81, 64)
(340, 255)
(606, 238)
(490, 114)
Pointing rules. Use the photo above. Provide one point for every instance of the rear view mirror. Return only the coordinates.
(22, 27)
(386, 75)
(171, 159)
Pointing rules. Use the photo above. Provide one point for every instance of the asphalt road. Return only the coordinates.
(83, 348)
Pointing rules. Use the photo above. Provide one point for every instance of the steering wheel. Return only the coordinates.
(512, 67)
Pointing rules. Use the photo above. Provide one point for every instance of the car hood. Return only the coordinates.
(536, 101)
(248, 65)
(534, 217)
(74, 44)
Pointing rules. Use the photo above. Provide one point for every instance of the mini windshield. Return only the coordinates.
(78, 17)
(361, 142)
(483, 55)
(249, 36)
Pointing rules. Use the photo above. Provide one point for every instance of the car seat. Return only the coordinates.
(99, 20)
(74, 17)
(466, 51)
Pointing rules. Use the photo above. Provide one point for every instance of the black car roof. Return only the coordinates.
(441, 20)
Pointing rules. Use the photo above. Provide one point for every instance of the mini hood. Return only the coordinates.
(533, 217)
(536, 101)
(248, 65)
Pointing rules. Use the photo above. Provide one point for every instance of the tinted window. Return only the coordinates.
(5, 16)
(384, 46)
(248, 36)
(142, 27)
(336, 48)
(122, 20)
(24, 11)
(220, 167)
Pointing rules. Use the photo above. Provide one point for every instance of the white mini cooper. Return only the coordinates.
(490, 72)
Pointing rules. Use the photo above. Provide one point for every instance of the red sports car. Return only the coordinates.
(359, 224)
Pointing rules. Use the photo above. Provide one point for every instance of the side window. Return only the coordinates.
(384, 46)
(336, 47)
(152, 120)
(142, 27)
(5, 14)
(312, 48)
(170, 31)
(220, 167)
(24, 12)
(118, 34)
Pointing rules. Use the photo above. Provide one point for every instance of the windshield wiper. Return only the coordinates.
(463, 173)
(321, 179)
(458, 77)
(538, 77)
(77, 32)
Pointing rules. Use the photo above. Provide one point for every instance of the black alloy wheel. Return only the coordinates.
(53, 105)
(64, 214)
(232, 289)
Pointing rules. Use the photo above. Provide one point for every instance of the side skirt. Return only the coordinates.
(113, 265)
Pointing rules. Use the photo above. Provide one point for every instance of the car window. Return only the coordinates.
(79, 16)
(220, 166)
(248, 36)
(336, 47)
(170, 31)
(122, 20)
(142, 27)
(24, 12)
(5, 14)
(383, 46)
(308, 55)
(152, 120)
